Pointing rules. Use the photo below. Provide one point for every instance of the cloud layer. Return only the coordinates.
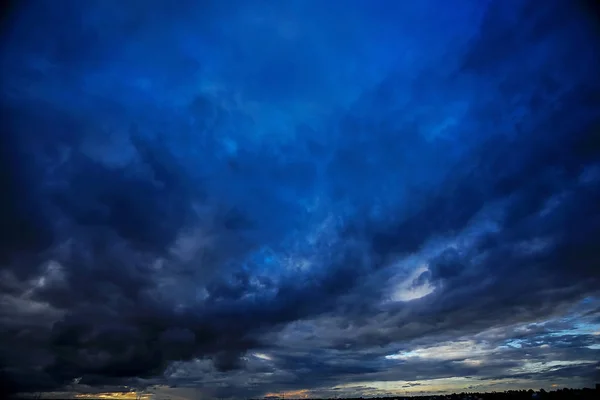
(227, 198)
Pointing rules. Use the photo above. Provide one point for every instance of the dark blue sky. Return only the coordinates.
(312, 198)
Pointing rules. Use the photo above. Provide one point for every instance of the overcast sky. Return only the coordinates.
(234, 199)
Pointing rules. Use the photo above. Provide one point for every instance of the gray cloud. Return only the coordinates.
(197, 220)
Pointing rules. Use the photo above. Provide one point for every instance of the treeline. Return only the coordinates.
(559, 394)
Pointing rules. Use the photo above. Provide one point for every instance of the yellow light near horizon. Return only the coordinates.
(114, 396)
(291, 394)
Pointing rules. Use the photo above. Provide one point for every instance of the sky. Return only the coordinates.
(233, 199)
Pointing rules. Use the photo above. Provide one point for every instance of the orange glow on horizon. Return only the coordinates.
(291, 394)
(114, 396)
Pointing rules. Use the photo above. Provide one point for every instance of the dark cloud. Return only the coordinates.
(290, 203)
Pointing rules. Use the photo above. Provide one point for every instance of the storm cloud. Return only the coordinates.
(235, 199)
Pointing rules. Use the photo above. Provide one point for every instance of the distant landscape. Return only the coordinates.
(565, 393)
(559, 394)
